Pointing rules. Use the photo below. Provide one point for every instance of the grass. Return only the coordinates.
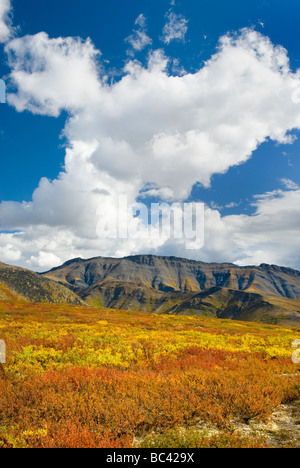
(93, 377)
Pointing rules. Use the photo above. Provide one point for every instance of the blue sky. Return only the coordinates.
(108, 24)
(33, 146)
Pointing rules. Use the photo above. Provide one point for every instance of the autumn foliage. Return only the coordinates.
(87, 377)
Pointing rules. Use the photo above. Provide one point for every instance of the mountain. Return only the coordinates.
(20, 284)
(266, 293)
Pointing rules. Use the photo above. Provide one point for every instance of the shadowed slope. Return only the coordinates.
(20, 284)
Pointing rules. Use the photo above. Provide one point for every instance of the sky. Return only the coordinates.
(181, 101)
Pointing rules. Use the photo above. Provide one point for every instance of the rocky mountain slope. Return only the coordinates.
(20, 284)
(172, 285)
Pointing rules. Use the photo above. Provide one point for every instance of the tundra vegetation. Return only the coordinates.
(91, 377)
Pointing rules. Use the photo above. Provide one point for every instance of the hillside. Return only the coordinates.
(20, 284)
(175, 274)
(266, 293)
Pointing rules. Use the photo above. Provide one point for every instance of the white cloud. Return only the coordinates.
(290, 184)
(8, 251)
(178, 69)
(139, 39)
(44, 259)
(216, 206)
(175, 28)
(176, 131)
(150, 130)
(232, 205)
(141, 21)
(53, 74)
(5, 22)
(271, 235)
(158, 193)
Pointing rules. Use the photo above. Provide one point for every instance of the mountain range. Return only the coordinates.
(165, 285)
(170, 285)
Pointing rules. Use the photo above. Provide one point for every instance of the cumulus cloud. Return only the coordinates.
(53, 74)
(139, 39)
(175, 28)
(271, 235)
(174, 131)
(155, 133)
(5, 23)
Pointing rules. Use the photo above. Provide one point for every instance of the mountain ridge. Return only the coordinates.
(176, 285)
(163, 285)
(100, 268)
